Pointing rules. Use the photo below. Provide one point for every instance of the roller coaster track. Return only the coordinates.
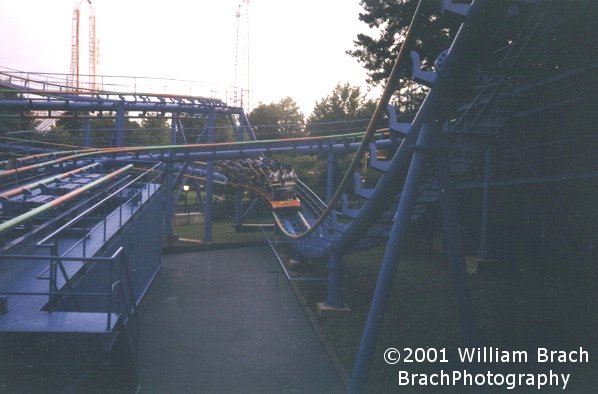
(454, 73)
(477, 87)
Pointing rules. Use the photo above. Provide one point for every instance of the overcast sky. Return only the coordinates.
(296, 48)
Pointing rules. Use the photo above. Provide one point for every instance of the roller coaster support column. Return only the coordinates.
(245, 124)
(238, 201)
(119, 132)
(173, 127)
(396, 245)
(87, 131)
(485, 198)
(209, 207)
(452, 241)
(168, 201)
(335, 277)
(331, 165)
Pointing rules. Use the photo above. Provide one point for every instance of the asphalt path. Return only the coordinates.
(218, 322)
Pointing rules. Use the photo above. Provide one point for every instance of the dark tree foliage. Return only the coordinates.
(102, 130)
(389, 21)
(11, 120)
(277, 120)
(345, 110)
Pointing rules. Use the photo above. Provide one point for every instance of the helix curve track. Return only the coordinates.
(502, 72)
(463, 99)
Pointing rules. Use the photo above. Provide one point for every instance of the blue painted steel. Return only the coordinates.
(238, 201)
(209, 204)
(244, 122)
(249, 208)
(460, 62)
(452, 241)
(330, 169)
(395, 247)
(485, 199)
(335, 277)
(87, 132)
(168, 200)
(205, 153)
(119, 132)
(173, 128)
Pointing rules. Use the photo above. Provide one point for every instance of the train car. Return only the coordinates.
(284, 197)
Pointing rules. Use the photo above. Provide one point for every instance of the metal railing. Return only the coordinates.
(55, 294)
(61, 291)
(133, 201)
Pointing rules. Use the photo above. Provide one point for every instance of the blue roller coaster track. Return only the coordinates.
(491, 78)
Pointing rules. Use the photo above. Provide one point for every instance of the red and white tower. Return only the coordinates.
(74, 78)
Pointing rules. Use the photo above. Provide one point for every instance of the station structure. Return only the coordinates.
(511, 102)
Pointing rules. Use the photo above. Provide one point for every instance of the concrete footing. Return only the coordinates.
(325, 309)
(477, 265)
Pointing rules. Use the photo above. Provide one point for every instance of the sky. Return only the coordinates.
(296, 48)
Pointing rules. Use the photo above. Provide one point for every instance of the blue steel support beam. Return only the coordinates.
(209, 207)
(335, 277)
(245, 125)
(87, 104)
(485, 199)
(452, 240)
(249, 208)
(119, 132)
(173, 127)
(235, 152)
(330, 169)
(459, 65)
(237, 127)
(238, 201)
(179, 180)
(87, 131)
(396, 245)
(168, 201)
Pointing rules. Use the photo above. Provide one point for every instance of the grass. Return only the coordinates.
(223, 232)
(515, 310)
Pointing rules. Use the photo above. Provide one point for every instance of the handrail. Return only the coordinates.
(19, 190)
(391, 87)
(54, 291)
(97, 205)
(9, 224)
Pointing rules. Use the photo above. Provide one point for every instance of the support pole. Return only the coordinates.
(238, 201)
(330, 169)
(396, 244)
(335, 277)
(87, 131)
(453, 243)
(173, 127)
(168, 200)
(485, 199)
(244, 122)
(249, 208)
(211, 129)
(119, 132)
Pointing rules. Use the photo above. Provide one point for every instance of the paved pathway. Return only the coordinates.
(215, 322)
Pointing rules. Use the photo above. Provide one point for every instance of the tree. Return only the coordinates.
(345, 110)
(277, 120)
(102, 129)
(12, 120)
(390, 19)
(154, 130)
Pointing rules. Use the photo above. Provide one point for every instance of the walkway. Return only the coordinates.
(215, 322)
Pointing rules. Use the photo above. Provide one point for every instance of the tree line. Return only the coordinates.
(345, 110)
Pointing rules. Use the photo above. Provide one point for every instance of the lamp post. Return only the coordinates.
(186, 189)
